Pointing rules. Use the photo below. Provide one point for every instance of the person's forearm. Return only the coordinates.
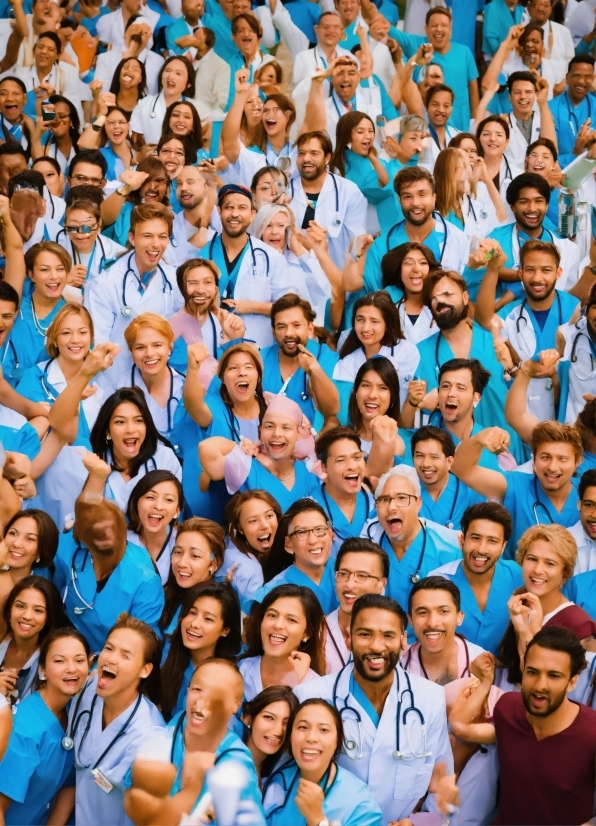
(230, 130)
(382, 175)
(111, 207)
(50, 448)
(495, 67)
(547, 124)
(325, 393)
(589, 38)
(10, 502)
(481, 110)
(474, 97)
(11, 54)
(495, 196)
(466, 466)
(516, 407)
(63, 807)
(90, 139)
(95, 484)
(315, 117)
(380, 459)
(15, 270)
(407, 415)
(584, 285)
(508, 274)
(20, 19)
(194, 400)
(467, 712)
(64, 413)
(212, 454)
(485, 301)
(10, 398)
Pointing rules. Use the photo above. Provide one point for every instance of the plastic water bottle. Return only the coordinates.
(567, 213)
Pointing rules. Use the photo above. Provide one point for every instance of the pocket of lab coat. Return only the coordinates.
(411, 779)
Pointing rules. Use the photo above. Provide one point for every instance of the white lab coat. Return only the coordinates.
(431, 149)
(581, 19)
(110, 27)
(341, 210)
(586, 549)
(63, 77)
(133, 378)
(55, 206)
(368, 101)
(423, 328)
(307, 60)
(250, 668)
(551, 70)
(92, 804)
(518, 145)
(212, 84)
(148, 116)
(108, 61)
(507, 172)
(396, 785)
(337, 653)
(480, 214)
(105, 250)
(404, 356)
(586, 382)
(415, 17)
(118, 491)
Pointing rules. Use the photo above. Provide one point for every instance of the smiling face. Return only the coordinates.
(345, 80)
(74, 338)
(434, 619)
(192, 560)
(21, 542)
(82, 240)
(8, 314)
(121, 663)
(54, 180)
(236, 213)
(291, 329)
(457, 396)
(542, 569)
(150, 241)
(201, 289)
(214, 694)
(417, 202)
(174, 79)
(369, 326)
(532, 49)
(529, 209)
(311, 160)
(440, 108)
(359, 573)
(540, 161)
(309, 541)
(539, 275)
(448, 304)
(28, 615)
(523, 97)
(579, 81)
(362, 137)
(554, 465)
(313, 740)
(431, 464)
(49, 275)
(482, 546)
(116, 127)
(130, 75)
(12, 101)
(181, 119)
(203, 626)
(276, 232)
(546, 680)
(438, 31)
(373, 397)
(150, 352)
(266, 191)
(399, 519)
(245, 38)
(66, 667)
(62, 122)
(345, 468)
(493, 140)
(191, 188)
(45, 54)
(258, 523)
(283, 629)
(587, 512)
(329, 31)
(172, 157)
(158, 507)
(240, 377)
(127, 431)
(275, 119)
(279, 435)
(376, 636)
(268, 727)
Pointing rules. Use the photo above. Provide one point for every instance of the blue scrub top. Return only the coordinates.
(324, 592)
(11, 361)
(35, 766)
(486, 628)
(498, 19)
(305, 484)
(133, 586)
(342, 528)
(22, 440)
(560, 312)
(581, 590)
(569, 119)
(118, 231)
(115, 164)
(32, 345)
(449, 508)
(523, 493)
(297, 387)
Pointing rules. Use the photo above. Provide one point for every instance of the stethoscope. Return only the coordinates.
(508, 173)
(9, 345)
(472, 212)
(534, 127)
(75, 252)
(438, 217)
(515, 245)
(573, 356)
(43, 331)
(253, 254)
(526, 321)
(171, 396)
(165, 284)
(574, 124)
(401, 718)
(415, 577)
(324, 784)
(337, 217)
(538, 504)
(304, 395)
(86, 606)
(466, 669)
(47, 388)
(68, 740)
(337, 530)
(152, 114)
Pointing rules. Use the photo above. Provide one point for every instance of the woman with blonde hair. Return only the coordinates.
(547, 555)
(150, 340)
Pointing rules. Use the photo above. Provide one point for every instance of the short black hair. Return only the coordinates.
(304, 505)
(381, 603)
(361, 545)
(52, 162)
(557, 638)
(53, 37)
(584, 57)
(547, 143)
(12, 147)
(437, 434)
(330, 437)
(16, 80)
(480, 376)
(92, 156)
(84, 192)
(514, 77)
(588, 480)
(435, 583)
(527, 180)
(492, 512)
(8, 293)
(27, 179)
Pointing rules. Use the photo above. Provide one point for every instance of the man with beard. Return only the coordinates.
(446, 295)
(528, 196)
(572, 111)
(297, 365)
(530, 324)
(415, 188)
(546, 743)
(331, 201)
(191, 225)
(253, 274)
(372, 693)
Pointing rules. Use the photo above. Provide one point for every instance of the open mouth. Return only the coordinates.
(479, 560)
(428, 474)
(154, 520)
(433, 636)
(277, 639)
(350, 598)
(371, 407)
(394, 524)
(352, 479)
(310, 754)
(375, 662)
(106, 675)
(150, 363)
(242, 387)
(537, 582)
(264, 540)
(277, 447)
(17, 555)
(591, 526)
(131, 445)
(193, 636)
(25, 627)
(531, 217)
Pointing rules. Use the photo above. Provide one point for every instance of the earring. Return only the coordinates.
(37, 559)
(108, 438)
(475, 404)
(41, 675)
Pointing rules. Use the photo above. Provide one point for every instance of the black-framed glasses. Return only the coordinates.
(403, 500)
(360, 577)
(301, 534)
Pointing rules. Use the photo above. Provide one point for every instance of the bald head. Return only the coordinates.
(191, 188)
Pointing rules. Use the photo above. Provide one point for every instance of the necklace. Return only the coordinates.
(43, 331)
(285, 479)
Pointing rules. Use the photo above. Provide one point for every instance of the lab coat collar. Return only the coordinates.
(386, 728)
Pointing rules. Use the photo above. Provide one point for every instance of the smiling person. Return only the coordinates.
(573, 109)
(584, 531)
(197, 555)
(285, 640)
(266, 719)
(361, 567)
(36, 767)
(439, 107)
(138, 32)
(195, 199)
(182, 119)
(121, 692)
(208, 626)
(57, 138)
(109, 133)
(152, 514)
(129, 84)
(32, 611)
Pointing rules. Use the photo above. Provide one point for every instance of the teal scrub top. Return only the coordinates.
(324, 592)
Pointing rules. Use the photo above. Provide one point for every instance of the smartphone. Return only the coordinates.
(47, 114)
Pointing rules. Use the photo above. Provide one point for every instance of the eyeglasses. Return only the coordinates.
(84, 179)
(359, 576)
(301, 534)
(177, 153)
(83, 229)
(403, 500)
(62, 118)
(588, 505)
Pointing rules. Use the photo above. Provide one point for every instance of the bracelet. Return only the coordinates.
(122, 194)
(524, 372)
(411, 403)
(515, 369)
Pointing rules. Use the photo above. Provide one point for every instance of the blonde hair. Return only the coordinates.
(211, 532)
(151, 321)
(54, 328)
(446, 167)
(556, 432)
(560, 540)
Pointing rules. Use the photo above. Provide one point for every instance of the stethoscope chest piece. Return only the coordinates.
(350, 745)
(397, 755)
(67, 743)
(414, 578)
(127, 312)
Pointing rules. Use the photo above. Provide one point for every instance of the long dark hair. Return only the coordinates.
(227, 647)
(187, 144)
(343, 132)
(59, 634)
(143, 486)
(74, 131)
(317, 701)
(223, 363)
(392, 262)
(152, 166)
(141, 88)
(47, 534)
(393, 331)
(252, 708)
(189, 91)
(55, 614)
(286, 104)
(99, 434)
(196, 133)
(232, 512)
(386, 371)
(314, 646)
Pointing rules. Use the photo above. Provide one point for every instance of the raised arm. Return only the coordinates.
(15, 270)
(193, 392)
(315, 116)
(547, 123)
(213, 453)
(230, 130)
(323, 389)
(486, 482)
(111, 207)
(495, 67)
(485, 302)
(383, 447)
(482, 173)
(466, 718)
(292, 36)
(516, 406)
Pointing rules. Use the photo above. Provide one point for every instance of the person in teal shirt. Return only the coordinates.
(192, 13)
(499, 17)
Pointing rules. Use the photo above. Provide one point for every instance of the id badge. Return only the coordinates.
(102, 781)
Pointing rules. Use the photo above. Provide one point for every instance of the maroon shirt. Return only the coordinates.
(575, 619)
(548, 782)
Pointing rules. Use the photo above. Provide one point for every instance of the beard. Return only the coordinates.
(450, 318)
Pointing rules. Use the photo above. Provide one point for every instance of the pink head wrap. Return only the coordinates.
(282, 406)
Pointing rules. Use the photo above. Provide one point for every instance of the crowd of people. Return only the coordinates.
(297, 412)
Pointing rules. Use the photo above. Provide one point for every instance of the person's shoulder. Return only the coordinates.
(586, 720)
(321, 688)
(137, 557)
(508, 705)
(427, 693)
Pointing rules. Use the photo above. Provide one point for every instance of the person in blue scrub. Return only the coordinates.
(346, 501)
(456, 60)
(308, 540)
(574, 107)
(414, 547)
(208, 626)
(485, 580)
(499, 16)
(541, 159)
(36, 774)
(191, 13)
(10, 361)
(214, 696)
(99, 574)
(288, 797)
(288, 369)
(545, 497)
(444, 497)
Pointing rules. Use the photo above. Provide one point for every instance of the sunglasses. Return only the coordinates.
(83, 229)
